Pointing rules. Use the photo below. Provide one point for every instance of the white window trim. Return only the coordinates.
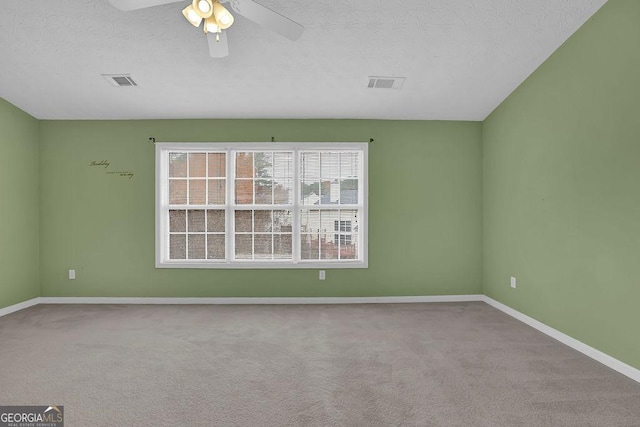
(162, 203)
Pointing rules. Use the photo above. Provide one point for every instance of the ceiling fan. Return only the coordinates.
(217, 19)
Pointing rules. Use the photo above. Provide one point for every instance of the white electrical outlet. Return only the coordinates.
(72, 274)
(322, 275)
(513, 282)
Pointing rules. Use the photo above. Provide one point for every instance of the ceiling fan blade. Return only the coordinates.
(268, 18)
(218, 48)
(139, 4)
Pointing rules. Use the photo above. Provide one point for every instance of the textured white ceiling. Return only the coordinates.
(461, 58)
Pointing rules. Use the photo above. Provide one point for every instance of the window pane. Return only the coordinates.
(215, 246)
(350, 217)
(328, 219)
(349, 191)
(330, 192)
(330, 165)
(282, 192)
(310, 166)
(283, 165)
(177, 220)
(262, 221)
(195, 222)
(244, 191)
(215, 221)
(217, 191)
(244, 246)
(197, 189)
(309, 221)
(196, 246)
(310, 192)
(262, 246)
(177, 246)
(244, 222)
(310, 246)
(325, 221)
(349, 165)
(264, 192)
(349, 246)
(282, 221)
(244, 165)
(282, 247)
(197, 165)
(329, 246)
(177, 165)
(178, 192)
(263, 165)
(217, 165)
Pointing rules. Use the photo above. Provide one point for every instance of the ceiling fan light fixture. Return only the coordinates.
(223, 17)
(211, 25)
(204, 8)
(192, 16)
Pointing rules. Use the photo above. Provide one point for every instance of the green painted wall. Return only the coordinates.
(19, 279)
(562, 188)
(425, 209)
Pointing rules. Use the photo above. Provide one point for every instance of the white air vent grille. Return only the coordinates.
(376, 82)
(120, 80)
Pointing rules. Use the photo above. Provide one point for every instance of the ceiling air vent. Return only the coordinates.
(376, 82)
(120, 80)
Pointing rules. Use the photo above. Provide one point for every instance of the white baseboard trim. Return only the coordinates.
(261, 300)
(583, 348)
(20, 306)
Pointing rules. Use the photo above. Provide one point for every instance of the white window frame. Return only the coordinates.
(162, 205)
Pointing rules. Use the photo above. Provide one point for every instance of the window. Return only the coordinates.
(246, 205)
(343, 227)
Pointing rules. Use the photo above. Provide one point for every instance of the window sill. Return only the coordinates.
(242, 265)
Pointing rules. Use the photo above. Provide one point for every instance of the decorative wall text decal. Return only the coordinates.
(126, 174)
(104, 163)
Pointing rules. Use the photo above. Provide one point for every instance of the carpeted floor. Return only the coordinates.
(450, 364)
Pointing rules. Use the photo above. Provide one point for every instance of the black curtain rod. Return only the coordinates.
(273, 139)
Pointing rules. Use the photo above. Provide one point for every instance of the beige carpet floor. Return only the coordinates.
(450, 364)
